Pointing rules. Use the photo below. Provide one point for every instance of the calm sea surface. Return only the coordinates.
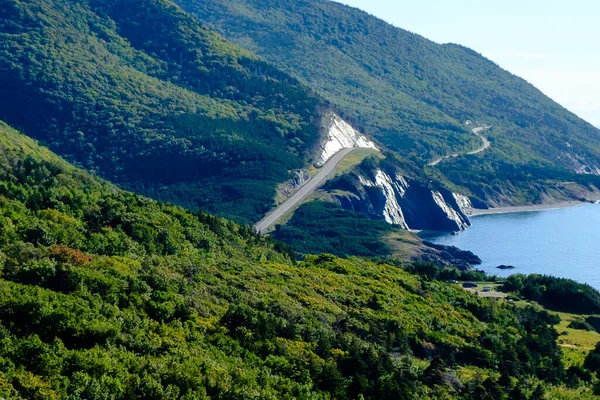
(564, 242)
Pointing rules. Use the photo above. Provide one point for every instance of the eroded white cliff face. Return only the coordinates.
(391, 190)
(463, 202)
(401, 185)
(397, 193)
(449, 211)
(340, 135)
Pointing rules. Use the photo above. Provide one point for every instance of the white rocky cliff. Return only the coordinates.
(452, 213)
(339, 135)
(392, 212)
(407, 203)
(387, 195)
(463, 202)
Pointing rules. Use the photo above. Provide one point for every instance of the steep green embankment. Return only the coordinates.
(105, 293)
(415, 95)
(323, 227)
(141, 93)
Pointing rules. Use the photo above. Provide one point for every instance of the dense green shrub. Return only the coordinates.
(582, 325)
(555, 293)
(128, 298)
(592, 361)
(323, 227)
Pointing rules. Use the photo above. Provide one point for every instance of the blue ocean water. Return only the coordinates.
(563, 242)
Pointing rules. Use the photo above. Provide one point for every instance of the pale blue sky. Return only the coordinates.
(554, 44)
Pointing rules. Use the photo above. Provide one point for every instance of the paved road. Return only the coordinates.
(485, 145)
(316, 181)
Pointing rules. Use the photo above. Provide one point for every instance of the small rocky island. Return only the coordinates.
(506, 267)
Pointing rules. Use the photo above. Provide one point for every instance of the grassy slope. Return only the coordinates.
(575, 345)
(354, 159)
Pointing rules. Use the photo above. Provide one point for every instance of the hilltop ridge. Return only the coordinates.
(415, 95)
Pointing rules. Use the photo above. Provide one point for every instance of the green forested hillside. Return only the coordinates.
(107, 294)
(323, 227)
(143, 94)
(413, 94)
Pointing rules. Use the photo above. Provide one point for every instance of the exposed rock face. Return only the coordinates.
(579, 163)
(391, 190)
(505, 266)
(451, 209)
(463, 202)
(299, 178)
(387, 195)
(448, 256)
(400, 201)
(339, 135)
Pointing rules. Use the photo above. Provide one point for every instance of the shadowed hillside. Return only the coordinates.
(415, 95)
(143, 94)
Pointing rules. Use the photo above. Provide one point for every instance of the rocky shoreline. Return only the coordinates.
(449, 256)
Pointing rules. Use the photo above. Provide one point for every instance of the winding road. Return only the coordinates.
(316, 181)
(485, 145)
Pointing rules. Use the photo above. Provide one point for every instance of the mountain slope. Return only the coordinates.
(109, 294)
(412, 94)
(143, 94)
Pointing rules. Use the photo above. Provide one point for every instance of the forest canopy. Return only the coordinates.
(108, 293)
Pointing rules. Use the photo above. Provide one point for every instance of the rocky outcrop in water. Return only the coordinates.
(455, 253)
(448, 256)
(398, 200)
(505, 266)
